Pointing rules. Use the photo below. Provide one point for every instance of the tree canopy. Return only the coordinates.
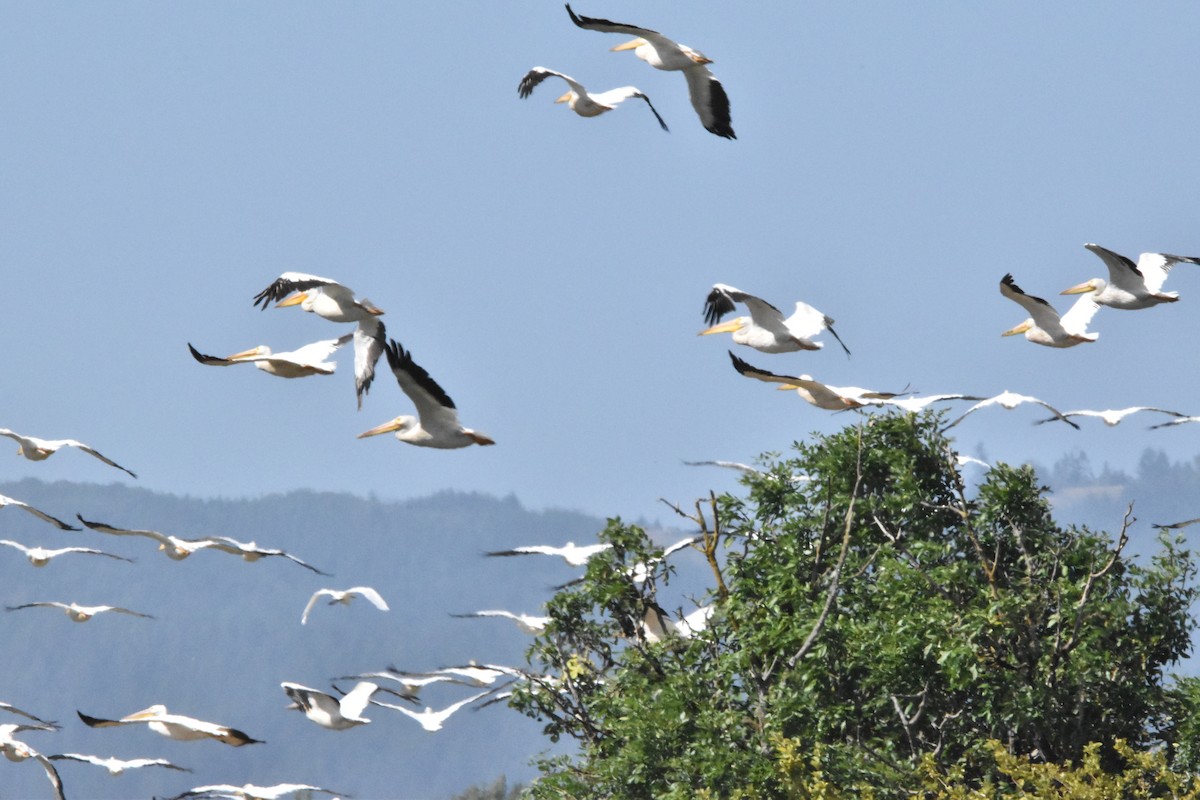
(876, 627)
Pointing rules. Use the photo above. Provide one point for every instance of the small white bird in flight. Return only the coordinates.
(831, 398)
(920, 403)
(36, 449)
(1010, 400)
(41, 556)
(657, 625)
(436, 423)
(432, 720)
(116, 766)
(250, 551)
(526, 622)
(1044, 325)
(411, 683)
(174, 726)
(42, 515)
(1111, 416)
(15, 750)
(249, 791)
(580, 100)
(331, 300)
(765, 329)
(344, 596)
(573, 554)
(173, 547)
(329, 711)
(1131, 286)
(705, 91)
(312, 359)
(79, 613)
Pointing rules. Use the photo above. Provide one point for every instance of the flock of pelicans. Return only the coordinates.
(1129, 286)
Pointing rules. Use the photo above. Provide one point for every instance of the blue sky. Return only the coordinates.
(163, 162)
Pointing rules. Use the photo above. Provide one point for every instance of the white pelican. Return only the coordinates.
(657, 625)
(963, 461)
(331, 300)
(411, 683)
(40, 556)
(343, 596)
(706, 92)
(329, 711)
(574, 554)
(250, 551)
(1131, 286)
(116, 766)
(1044, 325)
(174, 547)
(45, 725)
(311, 359)
(174, 726)
(832, 398)
(80, 613)
(16, 750)
(432, 720)
(1111, 417)
(251, 792)
(920, 403)
(1010, 400)
(766, 329)
(42, 515)
(526, 622)
(36, 449)
(436, 423)
(580, 100)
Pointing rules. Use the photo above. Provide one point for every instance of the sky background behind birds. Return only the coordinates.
(164, 162)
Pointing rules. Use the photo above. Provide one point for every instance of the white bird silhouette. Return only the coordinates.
(328, 711)
(343, 596)
(429, 719)
(116, 766)
(580, 100)
(1131, 286)
(36, 449)
(79, 613)
(174, 726)
(41, 556)
(1010, 400)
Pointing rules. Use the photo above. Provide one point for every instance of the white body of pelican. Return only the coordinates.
(766, 329)
(706, 92)
(526, 622)
(249, 791)
(311, 359)
(42, 515)
(920, 403)
(250, 551)
(174, 547)
(1131, 286)
(1010, 400)
(580, 100)
(1044, 325)
(436, 424)
(657, 625)
(576, 555)
(41, 556)
(343, 596)
(831, 398)
(331, 300)
(36, 449)
(79, 613)
(411, 683)
(116, 766)
(1111, 417)
(15, 750)
(432, 720)
(174, 726)
(329, 711)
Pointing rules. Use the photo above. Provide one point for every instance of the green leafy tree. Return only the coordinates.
(872, 626)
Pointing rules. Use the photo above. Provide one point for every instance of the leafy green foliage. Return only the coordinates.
(874, 617)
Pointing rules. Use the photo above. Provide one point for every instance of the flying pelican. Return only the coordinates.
(657, 625)
(344, 597)
(36, 449)
(832, 398)
(436, 423)
(116, 766)
(1111, 417)
(300, 363)
(16, 750)
(1177, 525)
(920, 403)
(45, 725)
(432, 720)
(573, 554)
(473, 674)
(766, 329)
(331, 300)
(329, 711)
(42, 515)
(1131, 286)
(250, 551)
(706, 92)
(40, 556)
(1011, 400)
(580, 100)
(174, 547)
(251, 792)
(80, 613)
(174, 726)
(526, 622)
(411, 683)
(1044, 325)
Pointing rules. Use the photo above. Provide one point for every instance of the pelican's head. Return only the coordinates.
(569, 97)
(298, 299)
(1022, 328)
(261, 350)
(732, 326)
(1094, 285)
(631, 45)
(399, 424)
(146, 713)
